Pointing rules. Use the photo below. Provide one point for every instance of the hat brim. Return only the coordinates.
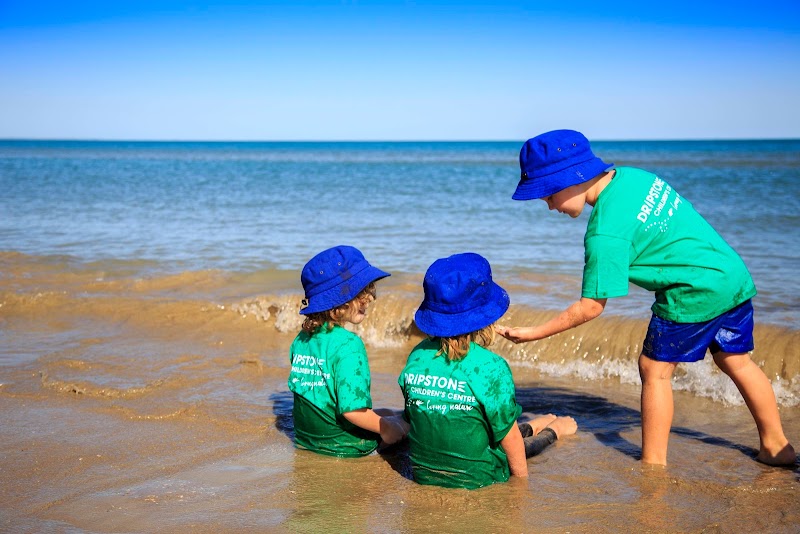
(550, 184)
(439, 324)
(343, 292)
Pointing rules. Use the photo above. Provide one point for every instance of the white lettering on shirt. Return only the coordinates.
(303, 364)
(307, 361)
(441, 382)
(650, 200)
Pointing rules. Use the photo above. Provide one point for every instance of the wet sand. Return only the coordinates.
(135, 404)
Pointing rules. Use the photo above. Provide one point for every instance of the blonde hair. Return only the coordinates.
(456, 347)
(338, 315)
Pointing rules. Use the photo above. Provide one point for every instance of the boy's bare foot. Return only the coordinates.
(535, 425)
(784, 457)
(563, 426)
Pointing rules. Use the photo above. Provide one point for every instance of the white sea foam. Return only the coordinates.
(283, 310)
(700, 378)
(607, 349)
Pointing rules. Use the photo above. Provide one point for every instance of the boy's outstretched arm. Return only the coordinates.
(578, 313)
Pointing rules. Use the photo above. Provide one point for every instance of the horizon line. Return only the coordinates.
(140, 140)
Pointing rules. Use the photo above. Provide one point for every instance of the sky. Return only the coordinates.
(373, 70)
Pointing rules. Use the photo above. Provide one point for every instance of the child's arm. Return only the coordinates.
(515, 451)
(580, 312)
(365, 418)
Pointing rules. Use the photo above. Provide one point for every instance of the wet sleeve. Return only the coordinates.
(536, 444)
(499, 400)
(606, 267)
(401, 381)
(351, 377)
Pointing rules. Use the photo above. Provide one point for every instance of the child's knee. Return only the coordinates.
(730, 363)
(651, 370)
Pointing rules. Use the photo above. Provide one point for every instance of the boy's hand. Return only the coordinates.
(393, 429)
(517, 334)
(578, 313)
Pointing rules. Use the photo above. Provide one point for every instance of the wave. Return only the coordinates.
(171, 321)
(608, 347)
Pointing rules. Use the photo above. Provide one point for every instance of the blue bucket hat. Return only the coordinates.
(336, 276)
(554, 161)
(460, 296)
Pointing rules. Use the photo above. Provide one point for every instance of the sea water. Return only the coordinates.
(149, 293)
(258, 206)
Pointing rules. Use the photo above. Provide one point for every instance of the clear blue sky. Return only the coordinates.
(370, 70)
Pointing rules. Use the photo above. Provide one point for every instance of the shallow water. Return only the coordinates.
(149, 293)
(252, 207)
(144, 402)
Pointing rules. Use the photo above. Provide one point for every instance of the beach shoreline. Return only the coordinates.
(159, 403)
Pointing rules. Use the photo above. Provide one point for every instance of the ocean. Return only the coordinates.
(149, 292)
(254, 207)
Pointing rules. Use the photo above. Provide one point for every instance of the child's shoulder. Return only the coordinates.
(633, 172)
(426, 344)
(342, 337)
(336, 336)
(630, 175)
(482, 365)
(424, 355)
(627, 190)
(485, 356)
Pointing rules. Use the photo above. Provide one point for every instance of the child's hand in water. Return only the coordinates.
(393, 429)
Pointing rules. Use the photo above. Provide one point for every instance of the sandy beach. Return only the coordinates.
(168, 168)
(136, 404)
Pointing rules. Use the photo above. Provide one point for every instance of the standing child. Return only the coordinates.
(460, 398)
(330, 375)
(641, 230)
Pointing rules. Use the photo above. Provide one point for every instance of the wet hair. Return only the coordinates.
(336, 316)
(456, 347)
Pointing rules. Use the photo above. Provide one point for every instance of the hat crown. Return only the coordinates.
(334, 277)
(458, 283)
(552, 152)
(331, 267)
(554, 161)
(460, 296)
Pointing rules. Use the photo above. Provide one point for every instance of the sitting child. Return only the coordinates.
(330, 375)
(460, 397)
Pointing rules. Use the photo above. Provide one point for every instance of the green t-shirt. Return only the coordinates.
(330, 377)
(459, 412)
(641, 230)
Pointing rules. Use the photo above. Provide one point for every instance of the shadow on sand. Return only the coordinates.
(606, 420)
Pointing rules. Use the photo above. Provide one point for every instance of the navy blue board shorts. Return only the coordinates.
(668, 341)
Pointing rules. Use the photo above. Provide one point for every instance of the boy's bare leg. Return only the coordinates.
(757, 391)
(539, 423)
(657, 408)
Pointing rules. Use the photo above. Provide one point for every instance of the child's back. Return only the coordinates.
(456, 410)
(330, 375)
(641, 230)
